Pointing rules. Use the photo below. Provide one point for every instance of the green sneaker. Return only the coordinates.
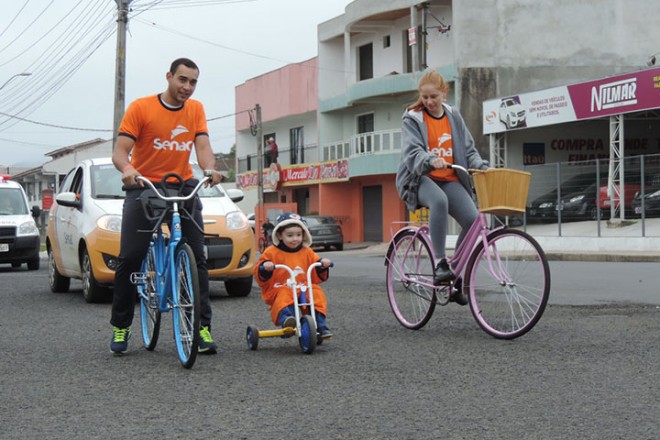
(120, 337)
(206, 344)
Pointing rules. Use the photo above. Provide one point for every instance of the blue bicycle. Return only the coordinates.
(168, 280)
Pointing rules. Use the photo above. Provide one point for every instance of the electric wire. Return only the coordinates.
(14, 19)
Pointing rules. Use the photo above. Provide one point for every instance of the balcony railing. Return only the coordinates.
(309, 154)
(363, 144)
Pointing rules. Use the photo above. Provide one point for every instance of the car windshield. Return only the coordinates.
(106, 182)
(208, 191)
(11, 202)
(316, 221)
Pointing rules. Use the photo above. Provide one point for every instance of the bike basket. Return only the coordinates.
(501, 191)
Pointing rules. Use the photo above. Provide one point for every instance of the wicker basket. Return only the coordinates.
(501, 191)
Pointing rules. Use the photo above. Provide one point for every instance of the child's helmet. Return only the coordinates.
(291, 218)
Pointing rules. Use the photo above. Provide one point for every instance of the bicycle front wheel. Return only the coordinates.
(508, 283)
(149, 313)
(409, 278)
(186, 306)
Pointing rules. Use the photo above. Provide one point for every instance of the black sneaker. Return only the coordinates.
(457, 294)
(120, 337)
(206, 343)
(443, 274)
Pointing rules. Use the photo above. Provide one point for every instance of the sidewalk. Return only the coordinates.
(579, 241)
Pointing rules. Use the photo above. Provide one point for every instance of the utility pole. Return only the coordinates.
(260, 168)
(120, 69)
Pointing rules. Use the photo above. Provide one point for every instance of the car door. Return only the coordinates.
(68, 225)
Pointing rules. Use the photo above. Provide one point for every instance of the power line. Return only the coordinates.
(54, 125)
(14, 19)
(28, 26)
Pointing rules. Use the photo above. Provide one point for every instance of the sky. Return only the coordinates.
(69, 49)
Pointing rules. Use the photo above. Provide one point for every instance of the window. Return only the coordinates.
(297, 139)
(365, 124)
(366, 62)
(386, 41)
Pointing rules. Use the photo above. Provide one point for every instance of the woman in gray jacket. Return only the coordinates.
(434, 135)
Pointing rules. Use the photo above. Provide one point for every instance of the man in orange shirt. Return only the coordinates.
(156, 137)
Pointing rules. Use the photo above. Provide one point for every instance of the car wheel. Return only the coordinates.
(34, 264)
(58, 283)
(239, 287)
(340, 246)
(592, 212)
(15, 265)
(92, 291)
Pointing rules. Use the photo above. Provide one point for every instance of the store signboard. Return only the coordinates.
(297, 175)
(631, 92)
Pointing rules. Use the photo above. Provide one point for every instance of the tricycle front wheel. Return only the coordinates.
(307, 337)
(252, 337)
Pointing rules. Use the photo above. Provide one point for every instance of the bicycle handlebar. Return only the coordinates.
(458, 167)
(309, 269)
(173, 198)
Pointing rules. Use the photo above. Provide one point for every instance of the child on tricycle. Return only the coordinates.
(291, 247)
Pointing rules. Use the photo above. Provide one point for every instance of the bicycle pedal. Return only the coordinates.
(442, 295)
(138, 278)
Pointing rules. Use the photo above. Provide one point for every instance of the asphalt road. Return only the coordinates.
(587, 371)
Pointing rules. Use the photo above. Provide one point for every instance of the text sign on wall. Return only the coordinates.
(631, 92)
(412, 36)
(304, 174)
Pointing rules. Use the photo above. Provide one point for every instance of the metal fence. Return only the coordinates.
(587, 198)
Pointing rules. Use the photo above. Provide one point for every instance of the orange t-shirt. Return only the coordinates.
(164, 137)
(440, 144)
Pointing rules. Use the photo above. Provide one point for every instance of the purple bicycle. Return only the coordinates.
(504, 272)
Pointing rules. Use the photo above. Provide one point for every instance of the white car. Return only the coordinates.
(19, 236)
(84, 226)
(512, 113)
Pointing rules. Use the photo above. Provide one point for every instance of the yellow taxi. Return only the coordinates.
(84, 226)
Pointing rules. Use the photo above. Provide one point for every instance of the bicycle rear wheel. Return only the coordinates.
(510, 308)
(149, 313)
(186, 307)
(409, 278)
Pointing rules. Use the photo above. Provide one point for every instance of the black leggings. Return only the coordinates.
(134, 247)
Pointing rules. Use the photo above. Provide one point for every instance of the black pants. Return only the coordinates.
(134, 246)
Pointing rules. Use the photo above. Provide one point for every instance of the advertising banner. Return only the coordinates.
(626, 93)
(297, 175)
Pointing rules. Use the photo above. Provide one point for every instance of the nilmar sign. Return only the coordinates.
(626, 93)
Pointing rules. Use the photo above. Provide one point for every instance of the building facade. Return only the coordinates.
(371, 57)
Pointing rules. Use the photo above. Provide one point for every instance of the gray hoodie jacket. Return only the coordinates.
(416, 158)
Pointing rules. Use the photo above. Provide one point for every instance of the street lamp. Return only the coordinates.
(18, 74)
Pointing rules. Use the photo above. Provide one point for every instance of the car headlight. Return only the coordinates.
(576, 199)
(109, 222)
(27, 229)
(654, 194)
(546, 205)
(236, 220)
